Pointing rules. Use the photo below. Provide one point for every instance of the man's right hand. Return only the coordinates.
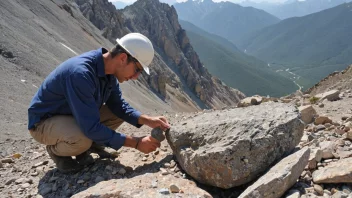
(148, 144)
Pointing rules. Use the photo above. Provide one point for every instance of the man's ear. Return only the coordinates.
(123, 57)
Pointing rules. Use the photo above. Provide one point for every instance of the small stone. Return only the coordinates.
(108, 168)
(174, 189)
(318, 189)
(156, 152)
(7, 160)
(122, 171)
(164, 171)
(10, 181)
(327, 192)
(23, 180)
(40, 164)
(81, 181)
(99, 179)
(167, 165)
(144, 159)
(172, 164)
(154, 184)
(321, 105)
(52, 179)
(146, 155)
(164, 191)
(45, 189)
(25, 185)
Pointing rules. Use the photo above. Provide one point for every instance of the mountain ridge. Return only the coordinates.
(236, 21)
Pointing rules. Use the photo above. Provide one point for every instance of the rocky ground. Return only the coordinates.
(27, 171)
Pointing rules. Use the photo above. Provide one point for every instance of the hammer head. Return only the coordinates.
(158, 134)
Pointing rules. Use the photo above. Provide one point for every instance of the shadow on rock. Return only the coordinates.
(57, 184)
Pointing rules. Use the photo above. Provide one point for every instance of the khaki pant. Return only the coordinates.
(65, 136)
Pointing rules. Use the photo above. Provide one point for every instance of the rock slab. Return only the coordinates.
(280, 177)
(231, 147)
(335, 172)
(140, 186)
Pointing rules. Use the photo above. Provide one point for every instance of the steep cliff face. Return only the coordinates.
(177, 73)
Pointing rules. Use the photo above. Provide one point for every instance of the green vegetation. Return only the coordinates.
(313, 100)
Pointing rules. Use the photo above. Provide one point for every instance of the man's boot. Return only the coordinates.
(85, 159)
(99, 149)
(64, 164)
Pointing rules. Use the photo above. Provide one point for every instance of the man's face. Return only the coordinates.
(130, 69)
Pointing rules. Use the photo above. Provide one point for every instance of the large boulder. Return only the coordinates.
(232, 147)
(279, 178)
(148, 185)
(307, 113)
(329, 95)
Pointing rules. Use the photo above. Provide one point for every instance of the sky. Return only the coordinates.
(234, 1)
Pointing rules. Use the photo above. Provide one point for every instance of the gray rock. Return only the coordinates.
(99, 179)
(164, 191)
(23, 180)
(122, 171)
(328, 148)
(45, 189)
(213, 151)
(307, 113)
(319, 189)
(336, 172)
(10, 181)
(140, 186)
(174, 188)
(7, 160)
(329, 95)
(158, 134)
(283, 175)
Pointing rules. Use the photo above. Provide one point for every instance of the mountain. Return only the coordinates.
(312, 46)
(225, 19)
(177, 73)
(294, 8)
(119, 4)
(235, 68)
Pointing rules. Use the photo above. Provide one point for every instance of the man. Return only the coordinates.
(80, 103)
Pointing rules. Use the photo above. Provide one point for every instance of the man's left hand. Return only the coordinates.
(154, 122)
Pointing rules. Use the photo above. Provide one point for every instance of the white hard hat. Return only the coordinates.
(139, 47)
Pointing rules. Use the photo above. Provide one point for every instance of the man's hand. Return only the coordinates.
(148, 144)
(153, 122)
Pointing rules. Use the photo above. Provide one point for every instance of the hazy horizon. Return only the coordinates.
(172, 1)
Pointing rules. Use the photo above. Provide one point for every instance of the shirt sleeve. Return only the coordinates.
(79, 91)
(121, 108)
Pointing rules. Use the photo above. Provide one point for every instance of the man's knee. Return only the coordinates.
(73, 147)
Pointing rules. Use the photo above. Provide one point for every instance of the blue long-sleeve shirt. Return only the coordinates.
(79, 87)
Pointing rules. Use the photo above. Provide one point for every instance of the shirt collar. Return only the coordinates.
(100, 62)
